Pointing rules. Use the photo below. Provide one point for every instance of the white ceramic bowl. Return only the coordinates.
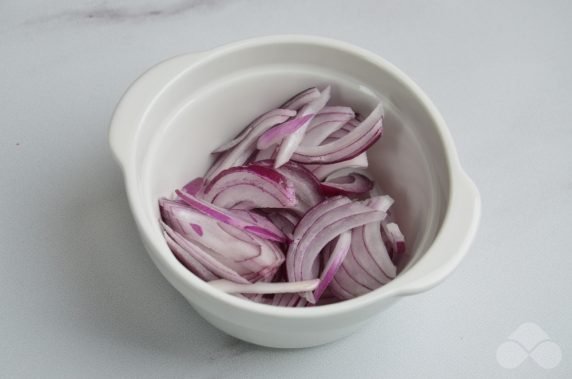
(172, 117)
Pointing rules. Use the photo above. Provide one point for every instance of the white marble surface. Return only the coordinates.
(80, 298)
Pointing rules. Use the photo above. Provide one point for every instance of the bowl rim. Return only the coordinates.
(460, 186)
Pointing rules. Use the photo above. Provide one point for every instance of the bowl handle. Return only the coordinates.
(127, 115)
(452, 241)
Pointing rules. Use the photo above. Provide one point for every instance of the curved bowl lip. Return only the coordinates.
(162, 254)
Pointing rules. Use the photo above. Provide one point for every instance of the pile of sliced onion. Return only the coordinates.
(287, 214)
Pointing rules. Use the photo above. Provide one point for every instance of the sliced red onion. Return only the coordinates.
(309, 219)
(383, 268)
(306, 185)
(325, 229)
(316, 244)
(347, 281)
(301, 99)
(344, 153)
(282, 223)
(277, 299)
(296, 301)
(355, 134)
(334, 262)
(344, 130)
(249, 187)
(189, 261)
(257, 257)
(353, 170)
(381, 202)
(328, 124)
(390, 232)
(327, 298)
(291, 142)
(273, 136)
(395, 237)
(336, 109)
(290, 216)
(358, 275)
(257, 219)
(368, 266)
(352, 184)
(194, 186)
(265, 154)
(288, 300)
(205, 259)
(352, 124)
(301, 303)
(264, 186)
(319, 226)
(229, 218)
(346, 147)
(323, 171)
(265, 288)
(284, 299)
(360, 266)
(242, 151)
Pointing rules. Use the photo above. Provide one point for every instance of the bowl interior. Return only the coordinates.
(214, 99)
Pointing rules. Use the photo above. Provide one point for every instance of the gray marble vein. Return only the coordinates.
(111, 12)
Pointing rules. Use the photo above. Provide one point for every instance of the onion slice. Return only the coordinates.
(249, 187)
(257, 219)
(287, 214)
(265, 154)
(289, 300)
(326, 122)
(188, 259)
(306, 185)
(301, 99)
(229, 218)
(282, 223)
(382, 268)
(348, 282)
(333, 263)
(355, 134)
(367, 267)
(248, 255)
(244, 149)
(265, 288)
(325, 170)
(292, 141)
(273, 136)
(395, 237)
(352, 184)
(326, 228)
(204, 258)
(346, 147)
(344, 153)
(309, 219)
(319, 226)
(336, 109)
(194, 186)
